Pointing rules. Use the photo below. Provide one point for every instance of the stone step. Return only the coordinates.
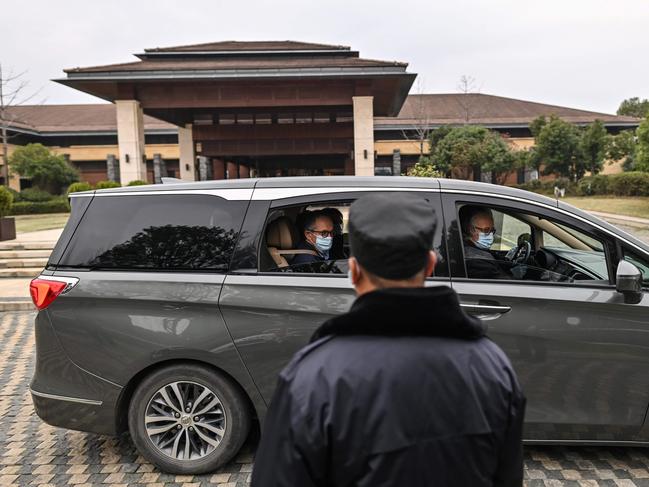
(20, 272)
(24, 254)
(13, 263)
(27, 245)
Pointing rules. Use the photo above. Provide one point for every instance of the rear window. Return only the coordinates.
(157, 232)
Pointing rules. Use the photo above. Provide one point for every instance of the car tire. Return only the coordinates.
(188, 445)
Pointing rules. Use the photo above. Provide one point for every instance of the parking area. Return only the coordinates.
(33, 453)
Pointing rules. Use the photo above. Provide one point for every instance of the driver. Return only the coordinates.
(478, 231)
(318, 235)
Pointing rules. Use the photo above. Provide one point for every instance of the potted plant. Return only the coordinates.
(7, 225)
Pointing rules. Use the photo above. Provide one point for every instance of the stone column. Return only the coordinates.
(112, 168)
(187, 163)
(203, 169)
(363, 135)
(159, 168)
(130, 139)
(396, 162)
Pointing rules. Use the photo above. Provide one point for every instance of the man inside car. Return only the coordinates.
(317, 235)
(478, 236)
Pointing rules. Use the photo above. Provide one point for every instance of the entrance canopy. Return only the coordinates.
(255, 100)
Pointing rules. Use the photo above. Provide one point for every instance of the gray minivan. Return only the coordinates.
(168, 310)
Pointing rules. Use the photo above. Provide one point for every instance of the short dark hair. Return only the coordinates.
(309, 218)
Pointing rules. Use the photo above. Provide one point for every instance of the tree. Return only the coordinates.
(634, 107)
(425, 168)
(558, 149)
(418, 112)
(48, 171)
(592, 144)
(642, 150)
(12, 94)
(472, 149)
(467, 87)
(622, 146)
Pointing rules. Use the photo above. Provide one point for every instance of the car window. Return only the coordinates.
(156, 232)
(526, 247)
(286, 247)
(640, 262)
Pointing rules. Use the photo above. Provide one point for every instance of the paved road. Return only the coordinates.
(33, 453)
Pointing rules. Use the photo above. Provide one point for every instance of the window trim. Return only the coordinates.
(450, 203)
(343, 194)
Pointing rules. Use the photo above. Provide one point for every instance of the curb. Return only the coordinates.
(17, 306)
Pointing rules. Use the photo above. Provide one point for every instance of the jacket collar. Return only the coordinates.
(431, 311)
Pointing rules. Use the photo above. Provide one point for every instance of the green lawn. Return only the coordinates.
(34, 223)
(620, 205)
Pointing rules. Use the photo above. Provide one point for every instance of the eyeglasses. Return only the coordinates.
(485, 229)
(323, 233)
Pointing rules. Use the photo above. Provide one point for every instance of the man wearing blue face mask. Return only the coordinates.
(479, 232)
(318, 236)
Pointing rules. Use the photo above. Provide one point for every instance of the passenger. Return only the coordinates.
(317, 236)
(478, 231)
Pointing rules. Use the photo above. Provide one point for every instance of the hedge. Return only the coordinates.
(633, 183)
(57, 205)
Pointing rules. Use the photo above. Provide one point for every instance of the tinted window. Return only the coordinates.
(292, 222)
(181, 232)
(529, 248)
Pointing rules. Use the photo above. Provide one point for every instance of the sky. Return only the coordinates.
(588, 54)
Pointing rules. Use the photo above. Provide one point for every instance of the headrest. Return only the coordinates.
(281, 234)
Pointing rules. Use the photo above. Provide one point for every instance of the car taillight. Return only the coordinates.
(44, 292)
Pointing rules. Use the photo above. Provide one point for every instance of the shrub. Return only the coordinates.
(58, 204)
(592, 185)
(15, 194)
(47, 170)
(107, 184)
(634, 183)
(76, 187)
(6, 201)
(137, 182)
(35, 194)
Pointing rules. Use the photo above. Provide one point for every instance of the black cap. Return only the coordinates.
(391, 234)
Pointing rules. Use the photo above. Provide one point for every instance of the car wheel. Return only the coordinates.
(188, 419)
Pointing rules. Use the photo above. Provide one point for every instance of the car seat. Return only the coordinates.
(281, 239)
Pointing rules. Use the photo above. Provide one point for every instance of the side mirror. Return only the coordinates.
(628, 281)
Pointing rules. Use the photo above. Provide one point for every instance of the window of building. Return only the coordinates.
(156, 232)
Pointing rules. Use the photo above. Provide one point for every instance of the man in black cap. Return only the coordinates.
(404, 389)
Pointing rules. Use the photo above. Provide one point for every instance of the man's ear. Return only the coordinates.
(432, 262)
(354, 270)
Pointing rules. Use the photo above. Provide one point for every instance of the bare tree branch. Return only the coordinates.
(12, 95)
(421, 127)
(467, 87)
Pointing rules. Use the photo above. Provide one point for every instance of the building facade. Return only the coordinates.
(244, 109)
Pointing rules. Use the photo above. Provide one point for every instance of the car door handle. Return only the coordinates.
(486, 311)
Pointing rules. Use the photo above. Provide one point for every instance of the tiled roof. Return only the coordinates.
(243, 63)
(249, 46)
(74, 118)
(434, 109)
(490, 110)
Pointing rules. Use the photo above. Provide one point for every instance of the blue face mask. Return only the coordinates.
(323, 244)
(485, 241)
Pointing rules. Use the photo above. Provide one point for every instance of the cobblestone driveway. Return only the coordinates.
(33, 453)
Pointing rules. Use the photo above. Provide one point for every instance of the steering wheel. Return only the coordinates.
(522, 253)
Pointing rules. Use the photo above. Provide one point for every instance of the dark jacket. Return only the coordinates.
(404, 390)
(306, 258)
(481, 264)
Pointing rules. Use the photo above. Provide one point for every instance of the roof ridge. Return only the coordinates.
(243, 43)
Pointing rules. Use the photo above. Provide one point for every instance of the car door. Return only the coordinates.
(271, 313)
(580, 351)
